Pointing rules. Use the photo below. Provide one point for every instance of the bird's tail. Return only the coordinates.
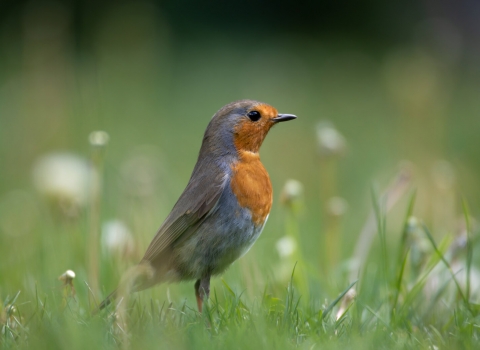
(136, 278)
(107, 301)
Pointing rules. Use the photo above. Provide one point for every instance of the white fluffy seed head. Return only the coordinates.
(286, 246)
(98, 138)
(63, 178)
(67, 276)
(117, 238)
(330, 142)
(292, 191)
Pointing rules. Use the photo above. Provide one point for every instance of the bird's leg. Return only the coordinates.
(197, 294)
(202, 291)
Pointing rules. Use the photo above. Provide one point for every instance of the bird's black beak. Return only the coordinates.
(284, 118)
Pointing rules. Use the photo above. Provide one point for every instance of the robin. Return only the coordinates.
(223, 209)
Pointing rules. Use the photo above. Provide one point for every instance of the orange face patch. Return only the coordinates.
(249, 135)
(266, 111)
(251, 185)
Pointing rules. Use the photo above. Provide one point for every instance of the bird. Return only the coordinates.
(221, 212)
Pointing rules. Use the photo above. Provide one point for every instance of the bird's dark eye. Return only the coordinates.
(254, 116)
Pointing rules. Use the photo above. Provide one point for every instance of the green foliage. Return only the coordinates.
(63, 319)
(154, 92)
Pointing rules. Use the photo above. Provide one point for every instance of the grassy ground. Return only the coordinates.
(390, 306)
(341, 263)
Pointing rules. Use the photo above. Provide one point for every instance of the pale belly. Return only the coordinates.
(226, 235)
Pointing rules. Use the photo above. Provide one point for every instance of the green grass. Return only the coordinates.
(418, 285)
(388, 312)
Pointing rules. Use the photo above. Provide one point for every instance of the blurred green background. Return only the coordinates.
(399, 80)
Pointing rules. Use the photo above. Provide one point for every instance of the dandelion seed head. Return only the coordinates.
(98, 138)
(286, 246)
(117, 238)
(67, 276)
(62, 178)
(292, 191)
(330, 142)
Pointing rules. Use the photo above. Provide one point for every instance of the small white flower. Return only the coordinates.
(67, 277)
(70, 274)
(292, 190)
(63, 178)
(286, 246)
(98, 138)
(330, 141)
(116, 238)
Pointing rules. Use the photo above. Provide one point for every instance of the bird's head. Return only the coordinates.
(244, 124)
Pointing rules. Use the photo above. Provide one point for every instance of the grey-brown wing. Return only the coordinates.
(194, 205)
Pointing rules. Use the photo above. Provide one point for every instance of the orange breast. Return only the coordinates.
(251, 185)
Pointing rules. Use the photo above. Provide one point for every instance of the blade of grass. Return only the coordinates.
(381, 226)
(403, 252)
(442, 257)
(398, 285)
(329, 308)
(403, 240)
(420, 283)
(393, 193)
(380, 209)
(289, 298)
(378, 317)
(14, 300)
(232, 293)
(436, 297)
(466, 213)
